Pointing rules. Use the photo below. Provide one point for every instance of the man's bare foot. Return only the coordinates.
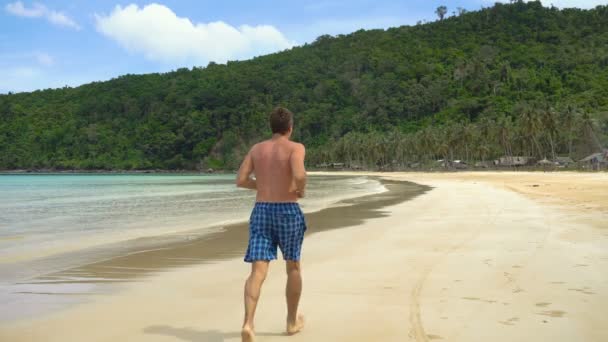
(294, 328)
(247, 334)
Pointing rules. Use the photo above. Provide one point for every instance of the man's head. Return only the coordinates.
(281, 121)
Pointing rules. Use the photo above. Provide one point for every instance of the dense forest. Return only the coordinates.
(512, 79)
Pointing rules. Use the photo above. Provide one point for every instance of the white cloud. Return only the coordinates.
(31, 58)
(61, 19)
(158, 33)
(40, 11)
(585, 4)
(17, 8)
(44, 59)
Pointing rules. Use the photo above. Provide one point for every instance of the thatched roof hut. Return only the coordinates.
(599, 158)
(563, 161)
(484, 164)
(514, 161)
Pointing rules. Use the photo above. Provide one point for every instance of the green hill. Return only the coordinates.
(516, 79)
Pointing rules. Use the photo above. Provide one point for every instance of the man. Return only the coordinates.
(276, 219)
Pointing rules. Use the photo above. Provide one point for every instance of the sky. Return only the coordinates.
(52, 44)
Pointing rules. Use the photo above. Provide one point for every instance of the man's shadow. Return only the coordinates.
(189, 334)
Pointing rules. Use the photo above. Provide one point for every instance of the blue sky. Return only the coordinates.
(49, 44)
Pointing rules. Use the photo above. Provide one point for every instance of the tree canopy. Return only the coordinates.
(511, 79)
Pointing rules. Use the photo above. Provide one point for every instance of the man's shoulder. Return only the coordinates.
(257, 145)
(296, 145)
(297, 149)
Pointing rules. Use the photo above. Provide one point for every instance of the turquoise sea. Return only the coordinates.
(54, 223)
(42, 215)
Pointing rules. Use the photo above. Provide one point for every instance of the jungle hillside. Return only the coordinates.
(514, 79)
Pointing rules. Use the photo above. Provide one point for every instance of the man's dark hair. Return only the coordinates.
(281, 119)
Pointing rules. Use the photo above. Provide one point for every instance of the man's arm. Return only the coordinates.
(243, 179)
(297, 168)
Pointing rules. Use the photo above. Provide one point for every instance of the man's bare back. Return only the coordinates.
(278, 165)
(273, 164)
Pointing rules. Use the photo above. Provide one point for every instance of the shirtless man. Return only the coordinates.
(276, 219)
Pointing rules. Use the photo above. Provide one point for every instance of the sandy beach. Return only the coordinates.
(480, 257)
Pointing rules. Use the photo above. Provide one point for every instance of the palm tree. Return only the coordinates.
(531, 126)
(484, 151)
(466, 138)
(589, 126)
(548, 120)
(428, 143)
(505, 131)
(568, 119)
(441, 11)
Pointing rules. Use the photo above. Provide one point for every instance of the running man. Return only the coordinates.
(276, 219)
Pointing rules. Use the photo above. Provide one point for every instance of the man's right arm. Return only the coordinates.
(297, 168)
(243, 179)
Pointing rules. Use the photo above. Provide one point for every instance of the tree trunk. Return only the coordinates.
(552, 146)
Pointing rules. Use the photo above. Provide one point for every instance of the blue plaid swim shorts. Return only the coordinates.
(272, 225)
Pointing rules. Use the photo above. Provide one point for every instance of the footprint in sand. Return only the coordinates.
(510, 321)
(543, 304)
(584, 290)
(552, 313)
(480, 299)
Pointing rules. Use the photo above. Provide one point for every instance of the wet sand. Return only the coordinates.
(475, 258)
(127, 264)
(231, 241)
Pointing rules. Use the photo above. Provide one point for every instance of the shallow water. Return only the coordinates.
(47, 284)
(46, 214)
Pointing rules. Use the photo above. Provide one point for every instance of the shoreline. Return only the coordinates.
(109, 265)
(231, 240)
(470, 260)
(107, 243)
(538, 169)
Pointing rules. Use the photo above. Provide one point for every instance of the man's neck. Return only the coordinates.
(278, 136)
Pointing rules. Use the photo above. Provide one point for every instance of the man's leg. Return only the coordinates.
(293, 290)
(253, 286)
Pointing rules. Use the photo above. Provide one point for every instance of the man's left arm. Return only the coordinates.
(243, 179)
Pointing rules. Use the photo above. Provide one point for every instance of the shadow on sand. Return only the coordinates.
(189, 334)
